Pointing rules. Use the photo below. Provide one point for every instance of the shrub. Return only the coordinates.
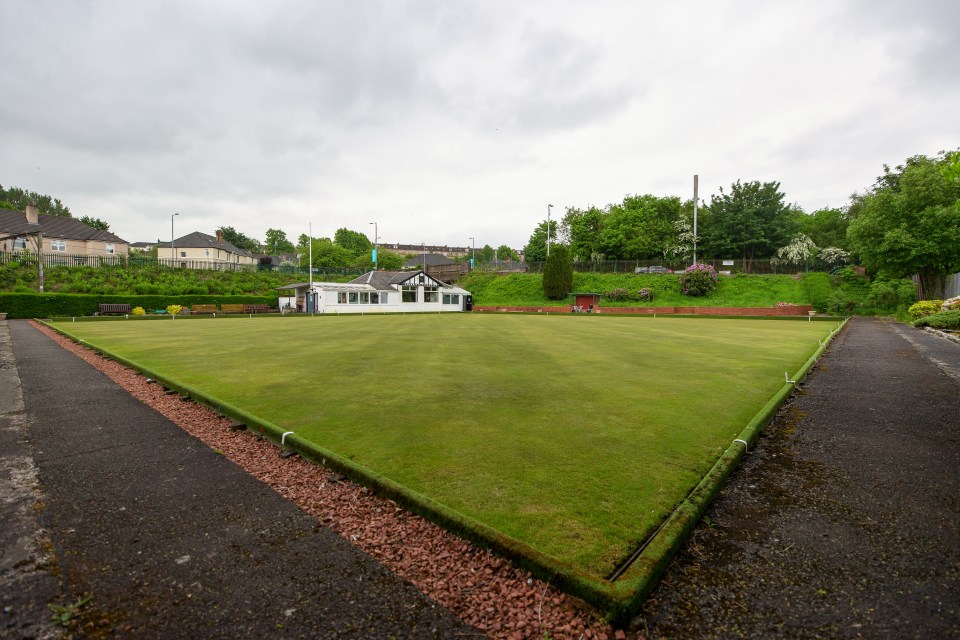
(558, 273)
(818, 289)
(841, 304)
(645, 294)
(888, 295)
(925, 308)
(174, 309)
(619, 294)
(698, 280)
(944, 320)
(138, 311)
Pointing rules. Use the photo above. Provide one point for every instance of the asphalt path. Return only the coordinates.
(844, 519)
(166, 537)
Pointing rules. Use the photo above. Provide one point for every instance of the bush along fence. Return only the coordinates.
(53, 305)
(759, 267)
(135, 261)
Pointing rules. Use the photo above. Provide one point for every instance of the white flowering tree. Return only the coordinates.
(800, 249)
(833, 257)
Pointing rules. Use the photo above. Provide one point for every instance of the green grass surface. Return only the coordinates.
(576, 435)
(745, 290)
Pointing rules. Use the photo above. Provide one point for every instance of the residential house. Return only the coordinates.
(58, 236)
(376, 292)
(201, 251)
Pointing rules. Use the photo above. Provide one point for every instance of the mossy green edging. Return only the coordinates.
(638, 580)
(620, 598)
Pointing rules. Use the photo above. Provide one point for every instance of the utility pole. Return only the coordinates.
(549, 206)
(173, 251)
(696, 198)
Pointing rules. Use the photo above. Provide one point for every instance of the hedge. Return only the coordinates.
(49, 305)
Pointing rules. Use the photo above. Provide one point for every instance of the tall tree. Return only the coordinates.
(640, 227)
(581, 230)
(276, 242)
(751, 221)
(326, 253)
(96, 223)
(909, 223)
(826, 227)
(20, 198)
(353, 241)
(506, 253)
(239, 240)
(536, 249)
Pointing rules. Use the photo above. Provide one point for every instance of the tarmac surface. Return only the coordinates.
(842, 522)
(168, 538)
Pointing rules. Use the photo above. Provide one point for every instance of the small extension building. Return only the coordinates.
(376, 292)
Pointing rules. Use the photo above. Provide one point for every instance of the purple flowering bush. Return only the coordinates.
(645, 294)
(698, 280)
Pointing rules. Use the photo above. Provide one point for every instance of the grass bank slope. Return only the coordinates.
(745, 290)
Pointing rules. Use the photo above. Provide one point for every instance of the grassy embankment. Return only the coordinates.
(525, 289)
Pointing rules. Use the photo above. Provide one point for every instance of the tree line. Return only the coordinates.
(906, 223)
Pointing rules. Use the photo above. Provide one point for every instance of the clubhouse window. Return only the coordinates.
(353, 297)
(430, 294)
(451, 298)
(408, 294)
(342, 297)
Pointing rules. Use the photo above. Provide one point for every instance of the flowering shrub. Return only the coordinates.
(925, 308)
(645, 295)
(619, 293)
(698, 280)
(138, 311)
(951, 304)
(174, 309)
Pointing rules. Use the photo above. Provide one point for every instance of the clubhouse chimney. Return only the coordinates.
(33, 214)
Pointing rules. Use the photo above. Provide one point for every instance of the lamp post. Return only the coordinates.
(549, 206)
(696, 195)
(473, 254)
(173, 251)
(424, 249)
(376, 246)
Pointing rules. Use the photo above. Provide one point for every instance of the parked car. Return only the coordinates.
(653, 269)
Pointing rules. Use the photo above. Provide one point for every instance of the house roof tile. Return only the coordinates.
(15, 223)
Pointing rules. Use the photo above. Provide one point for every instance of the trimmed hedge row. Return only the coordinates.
(50, 305)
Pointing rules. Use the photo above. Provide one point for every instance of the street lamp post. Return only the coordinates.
(549, 206)
(173, 250)
(376, 246)
(473, 254)
(696, 196)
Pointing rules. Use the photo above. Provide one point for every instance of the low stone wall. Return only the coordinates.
(793, 310)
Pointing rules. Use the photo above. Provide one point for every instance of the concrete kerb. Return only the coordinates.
(620, 599)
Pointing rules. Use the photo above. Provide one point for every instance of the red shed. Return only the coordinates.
(585, 302)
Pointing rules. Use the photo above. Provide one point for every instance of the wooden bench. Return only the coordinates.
(233, 308)
(257, 308)
(108, 309)
(203, 308)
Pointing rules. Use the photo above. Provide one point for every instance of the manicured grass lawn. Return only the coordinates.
(577, 435)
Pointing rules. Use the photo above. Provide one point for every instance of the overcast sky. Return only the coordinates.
(446, 119)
